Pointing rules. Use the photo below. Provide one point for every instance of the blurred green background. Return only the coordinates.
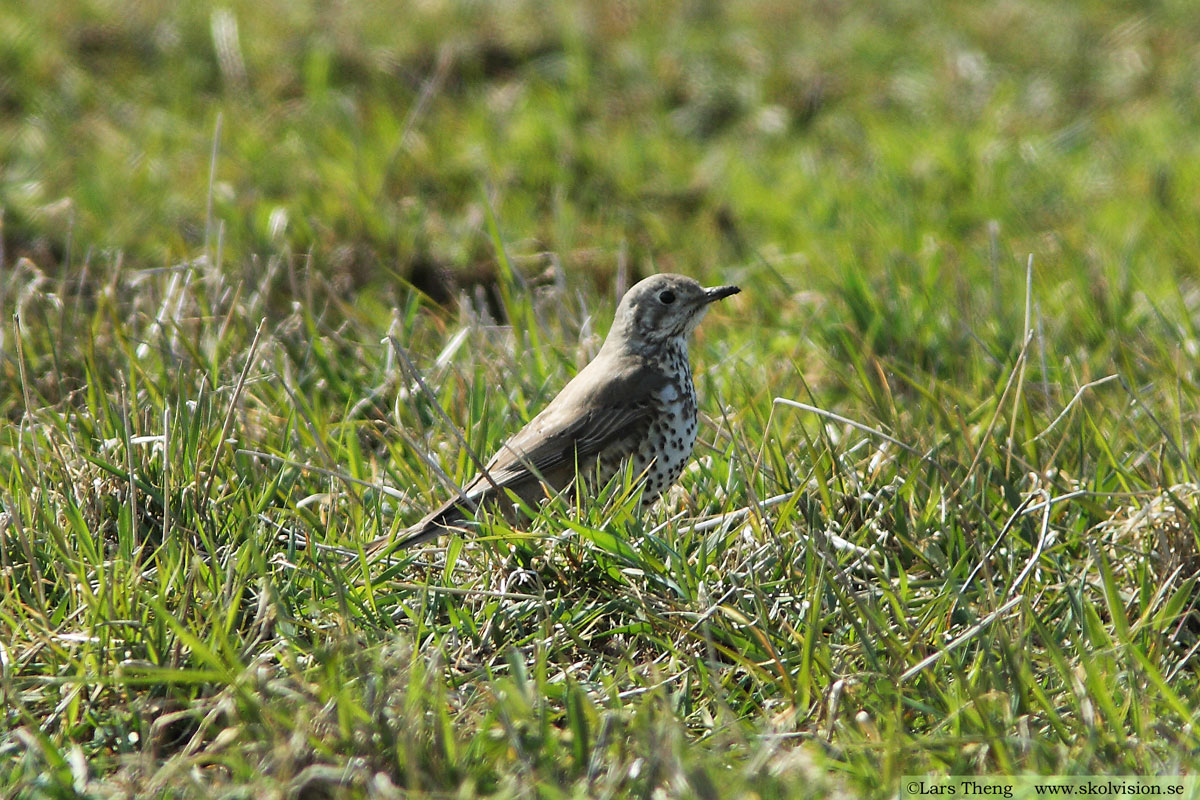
(691, 136)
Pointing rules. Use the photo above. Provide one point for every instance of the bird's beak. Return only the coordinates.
(719, 293)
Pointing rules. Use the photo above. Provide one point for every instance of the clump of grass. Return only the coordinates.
(942, 514)
(950, 588)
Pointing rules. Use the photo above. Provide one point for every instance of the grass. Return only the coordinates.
(942, 518)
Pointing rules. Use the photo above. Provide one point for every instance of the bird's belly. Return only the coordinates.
(657, 453)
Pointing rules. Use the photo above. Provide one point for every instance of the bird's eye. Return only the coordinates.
(667, 297)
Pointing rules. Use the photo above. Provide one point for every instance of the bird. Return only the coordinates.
(634, 402)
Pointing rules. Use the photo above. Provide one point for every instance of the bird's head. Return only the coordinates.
(662, 307)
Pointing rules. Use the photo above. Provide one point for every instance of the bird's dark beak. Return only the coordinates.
(719, 293)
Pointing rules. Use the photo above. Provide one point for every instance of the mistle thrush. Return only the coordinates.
(634, 402)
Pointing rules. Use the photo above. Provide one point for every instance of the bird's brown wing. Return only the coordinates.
(602, 404)
(584, 419)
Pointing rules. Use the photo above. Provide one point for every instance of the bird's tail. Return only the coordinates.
(436, 524)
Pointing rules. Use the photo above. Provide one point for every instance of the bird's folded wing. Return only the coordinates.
(552, 451)
(578, 425)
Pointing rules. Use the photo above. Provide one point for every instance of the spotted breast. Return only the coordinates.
(659, 448)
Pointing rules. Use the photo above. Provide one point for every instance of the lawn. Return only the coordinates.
(271, 272)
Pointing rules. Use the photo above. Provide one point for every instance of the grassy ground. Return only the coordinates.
(943, 515)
